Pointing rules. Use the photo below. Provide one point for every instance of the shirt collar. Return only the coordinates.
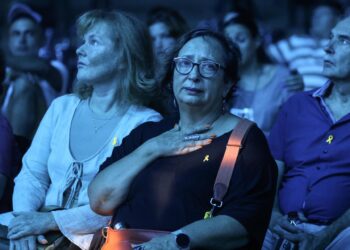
(324, 90)
(321, 93)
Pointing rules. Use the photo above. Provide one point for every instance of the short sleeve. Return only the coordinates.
(251, 193)
(129, 144)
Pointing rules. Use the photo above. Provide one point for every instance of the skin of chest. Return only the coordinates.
(338, 108)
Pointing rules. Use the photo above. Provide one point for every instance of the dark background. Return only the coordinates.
(290, 16)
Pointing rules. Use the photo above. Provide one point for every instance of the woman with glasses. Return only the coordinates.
(162, 175)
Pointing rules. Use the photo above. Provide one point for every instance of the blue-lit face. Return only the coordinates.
(243, 38)
(337, 58)
(24, 38)
(193, 89)
(99, 59)
(162, 41)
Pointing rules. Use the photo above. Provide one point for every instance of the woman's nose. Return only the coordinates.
(194, 74)
(80, 50)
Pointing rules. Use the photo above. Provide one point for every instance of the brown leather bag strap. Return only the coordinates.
(228, 162)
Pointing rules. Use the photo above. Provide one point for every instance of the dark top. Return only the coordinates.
(9, 162)
(315, 149)
(172, 192)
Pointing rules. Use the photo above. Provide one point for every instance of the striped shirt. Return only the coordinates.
(304, 54)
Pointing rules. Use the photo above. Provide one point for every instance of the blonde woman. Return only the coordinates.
(79, 131)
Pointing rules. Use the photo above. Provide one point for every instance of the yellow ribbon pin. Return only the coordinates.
(329, 139)
(208, 215)
(114, 141)
(206, 158)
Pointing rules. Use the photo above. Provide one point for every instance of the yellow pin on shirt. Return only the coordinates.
(208, 215)
(206, 158)
(329, 139)
(114, 141)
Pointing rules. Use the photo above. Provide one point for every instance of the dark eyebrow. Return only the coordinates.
(344, 37)
(201, 59)
(187, 56)
(91, 36)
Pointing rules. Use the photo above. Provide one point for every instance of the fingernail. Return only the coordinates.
(42, 239)
(208, 141)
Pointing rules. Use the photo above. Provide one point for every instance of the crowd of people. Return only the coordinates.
(138, 138)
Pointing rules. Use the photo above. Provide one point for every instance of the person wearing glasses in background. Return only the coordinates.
(162, 175)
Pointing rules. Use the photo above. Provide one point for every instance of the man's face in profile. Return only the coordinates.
(337, 58)
(24, 37)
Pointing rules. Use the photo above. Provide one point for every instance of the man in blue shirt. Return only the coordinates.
(311, 144)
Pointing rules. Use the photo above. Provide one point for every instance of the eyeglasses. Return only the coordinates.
(206, 68)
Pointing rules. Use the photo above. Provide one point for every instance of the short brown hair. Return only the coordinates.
(232, 57)
(132, 37)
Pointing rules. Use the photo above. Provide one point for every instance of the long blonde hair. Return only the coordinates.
(131, 36)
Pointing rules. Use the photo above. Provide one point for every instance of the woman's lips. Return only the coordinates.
(193, 91)
(81, 64)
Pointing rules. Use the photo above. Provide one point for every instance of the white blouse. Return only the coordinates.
(48, 164)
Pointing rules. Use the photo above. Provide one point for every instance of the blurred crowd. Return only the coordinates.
(37, 67)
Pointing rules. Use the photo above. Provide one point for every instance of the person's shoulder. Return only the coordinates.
(232, 122)
(298, 102)
(252, 135)
(252, 128)
(300, 97)
(64, 103)
(138, 115)
(145, 112)
(151, 129)
(160, 125)
(65, 100)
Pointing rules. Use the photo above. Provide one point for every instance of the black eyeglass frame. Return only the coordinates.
(219, 66)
